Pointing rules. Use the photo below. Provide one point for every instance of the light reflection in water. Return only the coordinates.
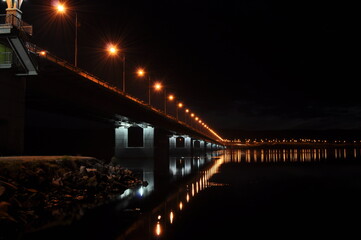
(171, 216)
(177, 203)
(158, 229)
(181, 205)
(291, 155)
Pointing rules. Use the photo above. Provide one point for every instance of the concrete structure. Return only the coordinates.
(12, 113)
(48, 106)
(134, 141)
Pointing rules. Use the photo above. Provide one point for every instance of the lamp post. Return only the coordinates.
(113, 51)
(141, 73)
(186, 112)
(170, 97)
(61, 8)
(179, 105)
(157, 86)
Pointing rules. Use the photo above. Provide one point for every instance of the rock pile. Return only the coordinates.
(41, 191)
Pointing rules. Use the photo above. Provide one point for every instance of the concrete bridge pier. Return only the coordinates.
(134, 141)
(210, 146)
(143, 148)
(198, 146)
(180, 145)
(12, 111)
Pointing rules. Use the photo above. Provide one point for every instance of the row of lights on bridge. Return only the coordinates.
(113, 50)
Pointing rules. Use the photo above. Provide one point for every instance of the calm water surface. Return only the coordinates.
(283, 193)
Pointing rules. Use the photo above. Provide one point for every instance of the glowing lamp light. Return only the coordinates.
(141, 72)
(180, 105)
(60, 8)
(112, 49)
(171, 97)
(157, 86)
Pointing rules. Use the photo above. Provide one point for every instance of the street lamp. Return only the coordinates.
(179, 105)
(113, 51)
(157, 86)
(61, 8)
(141, 73)
(186, 114)
(170, 97)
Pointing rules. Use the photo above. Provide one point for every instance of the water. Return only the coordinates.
(283, 193)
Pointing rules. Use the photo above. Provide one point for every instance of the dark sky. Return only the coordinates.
(251, 65)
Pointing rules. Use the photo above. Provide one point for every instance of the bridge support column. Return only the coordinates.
(180, 144)
(198, 146)
(134, 141)
(12, 113)
(209, 146)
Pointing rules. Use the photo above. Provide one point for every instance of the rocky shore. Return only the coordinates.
(38, 192)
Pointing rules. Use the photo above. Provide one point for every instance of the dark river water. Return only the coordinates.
(233, 194)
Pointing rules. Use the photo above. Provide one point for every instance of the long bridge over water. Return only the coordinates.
(49, 106)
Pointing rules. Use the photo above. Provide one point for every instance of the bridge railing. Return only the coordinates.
(10, 20)
(51, 57)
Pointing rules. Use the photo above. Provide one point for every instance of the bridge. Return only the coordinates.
(49, 106)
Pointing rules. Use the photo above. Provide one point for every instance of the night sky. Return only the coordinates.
(251, 65)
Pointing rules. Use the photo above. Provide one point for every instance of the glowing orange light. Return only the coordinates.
(60, 8)
(158, 229)
(157, 86)
(192, 114)
(42, 53)
(187, 110)
(112, 49)
(140, 72)
(171, 97)
(180, 105)
(171, 217)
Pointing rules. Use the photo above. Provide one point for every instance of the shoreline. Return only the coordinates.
(37, 192)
